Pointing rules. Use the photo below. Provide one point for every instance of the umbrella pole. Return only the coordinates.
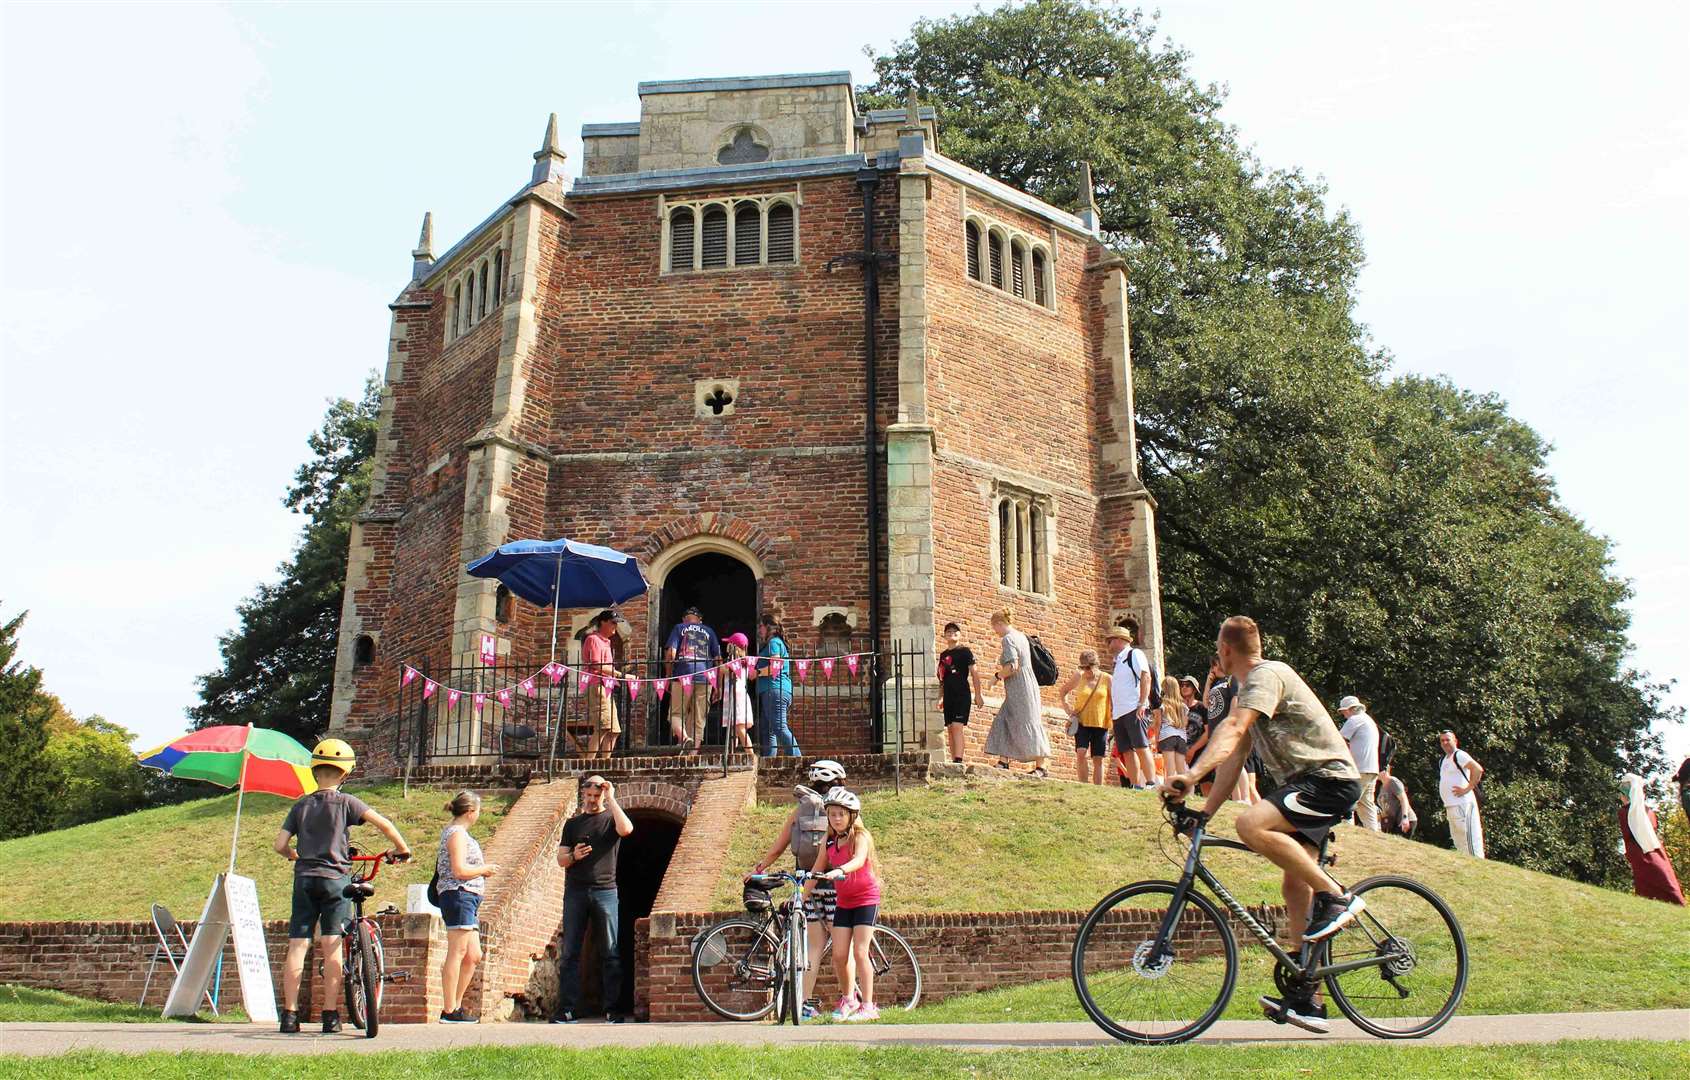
(239, 799)
(557, 579)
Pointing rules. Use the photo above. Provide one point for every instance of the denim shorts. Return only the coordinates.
(460, 908)
(319, 902)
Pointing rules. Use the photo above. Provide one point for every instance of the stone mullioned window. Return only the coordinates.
(730, 233)
(1021, 531)
(1009, 260)
(474, 292)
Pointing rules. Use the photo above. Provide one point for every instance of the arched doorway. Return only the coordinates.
(641, 862)
(724, 590)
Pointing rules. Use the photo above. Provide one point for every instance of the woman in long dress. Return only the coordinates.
(1651, 873)
(1018, 731)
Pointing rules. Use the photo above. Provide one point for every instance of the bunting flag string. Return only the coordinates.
(740, 667)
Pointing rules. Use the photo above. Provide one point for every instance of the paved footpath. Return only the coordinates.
(1661, 1025)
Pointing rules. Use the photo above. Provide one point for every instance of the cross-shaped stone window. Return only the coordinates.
(715, 399)
(718, 399)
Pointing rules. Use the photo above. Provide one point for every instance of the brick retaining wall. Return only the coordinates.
(107, 961)
(959, 953)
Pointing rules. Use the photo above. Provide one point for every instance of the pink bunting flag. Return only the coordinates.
(660, 686)
(528, 687)
(803, 670)
(452, 697)
(633, 688)
(851, 662)
(429, 687)
(504, 697)
(581, 683)
(827, 668)
(410, 674)
(480, 701)
(710, 677)
(776, 665)
(556, 672)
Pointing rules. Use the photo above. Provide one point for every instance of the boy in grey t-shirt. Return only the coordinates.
(315, 836)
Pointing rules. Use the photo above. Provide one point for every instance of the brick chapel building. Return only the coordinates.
(676, 353)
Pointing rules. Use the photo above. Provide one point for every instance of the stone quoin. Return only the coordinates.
(668, 355)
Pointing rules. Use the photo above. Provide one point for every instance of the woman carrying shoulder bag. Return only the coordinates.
(1088, 721)
(460, 879)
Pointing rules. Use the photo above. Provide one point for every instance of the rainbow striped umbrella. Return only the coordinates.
(249, 758)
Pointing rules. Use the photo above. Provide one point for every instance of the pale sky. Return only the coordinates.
(205, 210)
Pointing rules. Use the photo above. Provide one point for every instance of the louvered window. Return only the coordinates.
(1018, 269)
(971, 238)
(748, 234)
(1006, 541)
(996, 244)
(452, 315)
(680, 239)
(781, 246)
(483, 309)
(1036, 521)
(1041, 291)
(498, 277)
(469, 299)
(715, 243)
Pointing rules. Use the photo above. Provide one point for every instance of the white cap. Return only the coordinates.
(1350, 701)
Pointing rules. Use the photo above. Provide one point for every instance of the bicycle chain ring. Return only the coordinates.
(1146, 969)
(1401, 957)
(1289, 982)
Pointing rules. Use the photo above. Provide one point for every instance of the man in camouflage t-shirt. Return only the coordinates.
(1277, 714)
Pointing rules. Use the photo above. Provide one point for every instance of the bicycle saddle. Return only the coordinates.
(359, 890)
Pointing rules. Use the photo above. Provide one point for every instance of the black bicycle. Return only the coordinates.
(746, 967)
(1156, 962)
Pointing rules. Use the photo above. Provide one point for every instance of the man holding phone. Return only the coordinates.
(587, 854)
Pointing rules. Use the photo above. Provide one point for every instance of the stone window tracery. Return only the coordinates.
(475, 292)
(1021, 532)
(735, 232)
(1003, 258)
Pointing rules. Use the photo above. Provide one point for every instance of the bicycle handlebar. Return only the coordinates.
(375, 862)
(774, 879)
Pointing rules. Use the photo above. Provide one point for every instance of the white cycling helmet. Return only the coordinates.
(827, 771)
(840, 797)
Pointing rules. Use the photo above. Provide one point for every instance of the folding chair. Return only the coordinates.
(164, 925)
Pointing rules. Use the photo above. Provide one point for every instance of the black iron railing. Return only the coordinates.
(512, 712)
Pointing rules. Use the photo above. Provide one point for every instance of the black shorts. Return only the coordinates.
(1129, 733)
(956, 712)
(1093, 740)
(846, 917)
(1316, 803)
(1173, 744)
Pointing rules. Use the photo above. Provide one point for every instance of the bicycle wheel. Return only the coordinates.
(897, 977)
(1138, 995)
(736, 969)
(369, 944)
(794, 984)
(1417, 987)
(352, 977)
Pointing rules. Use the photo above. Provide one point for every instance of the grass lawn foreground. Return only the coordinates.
(1538, 943)
(1543, 1062)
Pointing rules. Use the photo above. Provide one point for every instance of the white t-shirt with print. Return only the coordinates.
(1453, 774)
(1363, 736)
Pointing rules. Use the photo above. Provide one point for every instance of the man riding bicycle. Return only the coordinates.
(804, 831)
(1277, 714)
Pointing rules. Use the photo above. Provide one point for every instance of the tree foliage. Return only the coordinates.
(1397, 538)
(278, 666)
(26, 775)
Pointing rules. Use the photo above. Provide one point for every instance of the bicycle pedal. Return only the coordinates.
(396, 976)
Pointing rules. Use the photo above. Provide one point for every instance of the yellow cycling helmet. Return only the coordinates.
(334, 752)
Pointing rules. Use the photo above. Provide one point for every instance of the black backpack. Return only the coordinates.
(1044, 664)
(1155, 678)
(1387, 750)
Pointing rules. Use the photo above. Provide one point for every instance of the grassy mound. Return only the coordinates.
(1538, 943)
(117, 868)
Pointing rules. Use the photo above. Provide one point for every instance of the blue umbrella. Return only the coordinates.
(562, 573)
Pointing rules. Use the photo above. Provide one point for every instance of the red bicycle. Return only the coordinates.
(363, 964)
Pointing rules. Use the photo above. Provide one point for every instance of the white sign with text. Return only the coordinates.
(232, 906)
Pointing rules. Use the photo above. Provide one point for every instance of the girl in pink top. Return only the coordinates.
(849, 859)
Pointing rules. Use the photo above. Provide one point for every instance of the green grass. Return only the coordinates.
(1538, 943)
(1567, 1059)
(26, 1004)
(117, 868)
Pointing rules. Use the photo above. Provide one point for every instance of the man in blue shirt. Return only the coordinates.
(692, 649)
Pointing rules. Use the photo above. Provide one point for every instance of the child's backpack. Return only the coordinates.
(1044, 664)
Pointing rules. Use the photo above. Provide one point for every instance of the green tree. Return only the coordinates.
(26, 773)
(278, 667)
(94, 772)
(1395, 538)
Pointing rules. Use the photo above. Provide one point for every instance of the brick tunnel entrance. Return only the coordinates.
(640, 866)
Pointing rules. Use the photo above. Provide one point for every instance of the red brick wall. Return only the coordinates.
(959, 953)
(107, 961)
(1013, 385)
